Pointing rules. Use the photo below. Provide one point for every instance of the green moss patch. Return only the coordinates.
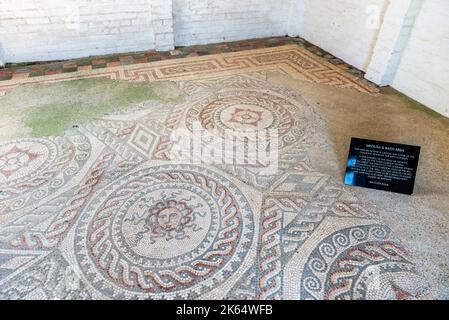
(50, 109)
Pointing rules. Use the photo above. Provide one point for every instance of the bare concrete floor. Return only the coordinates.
(421, 220)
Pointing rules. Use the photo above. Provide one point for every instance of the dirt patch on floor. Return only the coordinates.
(50, 109)
(388, 116)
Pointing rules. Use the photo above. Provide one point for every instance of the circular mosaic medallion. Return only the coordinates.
(246, 112)
(361, 263)
(24, 159)
(168, 231)
(231, 111)
(32, 168)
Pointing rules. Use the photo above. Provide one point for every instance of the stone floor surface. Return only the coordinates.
(36, 69)
(105, 211)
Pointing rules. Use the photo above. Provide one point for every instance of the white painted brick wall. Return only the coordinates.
(212, 21)
(295, 18)
(423, 73)
(2, 56)
(393, 37)
(162, 20)
(32, 30)
(342, 27)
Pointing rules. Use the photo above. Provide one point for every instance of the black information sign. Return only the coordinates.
(382, 165)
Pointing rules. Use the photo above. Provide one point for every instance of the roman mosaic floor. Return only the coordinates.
(105, 212)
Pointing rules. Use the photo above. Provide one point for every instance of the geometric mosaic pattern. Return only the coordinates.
(104, 213)
(291, 59)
